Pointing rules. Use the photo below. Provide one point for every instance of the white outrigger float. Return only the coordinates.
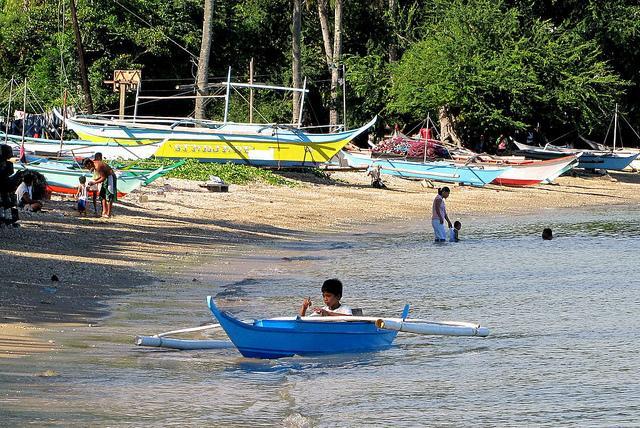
(288, 336)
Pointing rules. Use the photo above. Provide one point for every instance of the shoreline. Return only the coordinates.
(173, 224)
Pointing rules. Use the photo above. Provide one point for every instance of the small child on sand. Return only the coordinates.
(81, 195)
(454, 231)
(331, 295)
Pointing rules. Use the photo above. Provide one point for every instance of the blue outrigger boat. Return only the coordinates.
(447, 172)
(308, 336)
(276, 338)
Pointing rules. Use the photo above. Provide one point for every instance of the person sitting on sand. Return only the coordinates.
(454, 232)
(547, 234)
(81, 195)
(331, 295)
(107, 181)
(376, 181)
(24, 193)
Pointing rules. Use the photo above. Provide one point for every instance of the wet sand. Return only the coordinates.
(168, 227)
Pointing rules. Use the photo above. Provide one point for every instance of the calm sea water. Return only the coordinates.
(563, 350)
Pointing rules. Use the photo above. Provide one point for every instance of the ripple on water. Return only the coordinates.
(562, 349)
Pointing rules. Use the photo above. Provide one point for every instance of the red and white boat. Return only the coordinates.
(525, 172)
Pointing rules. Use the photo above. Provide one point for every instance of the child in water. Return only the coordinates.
(454, 231)
(331, 295)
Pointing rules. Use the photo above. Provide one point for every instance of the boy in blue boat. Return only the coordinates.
(331, 295)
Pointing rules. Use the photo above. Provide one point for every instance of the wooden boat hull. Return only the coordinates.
(252, 144)
(81, 149)
(447, 172)
(63, 177)
(589, 159)
(536, 172)
(279, 338)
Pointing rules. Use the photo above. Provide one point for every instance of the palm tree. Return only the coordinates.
(333, 54)
(296, 31)
(202, 78)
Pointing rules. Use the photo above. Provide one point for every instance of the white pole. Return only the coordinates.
(226, 102)
(6, 128)
(425, 142)
(615, 128)
(251, 91)
(24, 110)
(344, 96)
(135, 107)
(304, 87)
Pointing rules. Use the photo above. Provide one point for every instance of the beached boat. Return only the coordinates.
(448, 172)
(266, 144)
(62, 177)
(253, 144)
(525, 172)
(81, 148)
(589, 159)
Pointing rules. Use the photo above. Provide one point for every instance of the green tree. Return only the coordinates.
(482, 69)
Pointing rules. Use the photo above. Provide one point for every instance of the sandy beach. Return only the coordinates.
(175, 223)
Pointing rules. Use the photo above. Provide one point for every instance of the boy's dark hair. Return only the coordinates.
(87, 162)
(97, 156)
(547, 234)
(82, 179)
(333, 286)
(6, 152)
(28, 179)
(457, 223)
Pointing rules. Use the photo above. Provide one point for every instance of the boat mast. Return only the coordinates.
(226, 101)
(24, 111)
(304, 91)
(615, 127)
(425, 141)
(135, 106)
(344, 97)
(6, 128)
(64, 119)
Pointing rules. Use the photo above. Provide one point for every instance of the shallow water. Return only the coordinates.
(563, 349)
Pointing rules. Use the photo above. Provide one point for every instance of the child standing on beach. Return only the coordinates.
(81, 195)
(331, 295)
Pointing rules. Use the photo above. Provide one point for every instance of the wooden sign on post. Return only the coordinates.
(123, 81)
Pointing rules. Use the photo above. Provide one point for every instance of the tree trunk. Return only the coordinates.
(324, 26)
(86, 88)
(202, 79)
(448, 123)
(333, 54)
(393, 43)
(296, 30)
(335, 70)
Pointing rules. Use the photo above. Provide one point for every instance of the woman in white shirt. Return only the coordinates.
(331, 295)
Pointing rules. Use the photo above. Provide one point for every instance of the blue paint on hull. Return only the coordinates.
(274, 338)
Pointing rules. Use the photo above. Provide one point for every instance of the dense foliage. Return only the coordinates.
(201, 171)
(498, 65)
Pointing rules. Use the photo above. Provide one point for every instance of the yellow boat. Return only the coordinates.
(253, 144)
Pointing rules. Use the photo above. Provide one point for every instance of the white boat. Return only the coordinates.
(80, 148)
(528, 172)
